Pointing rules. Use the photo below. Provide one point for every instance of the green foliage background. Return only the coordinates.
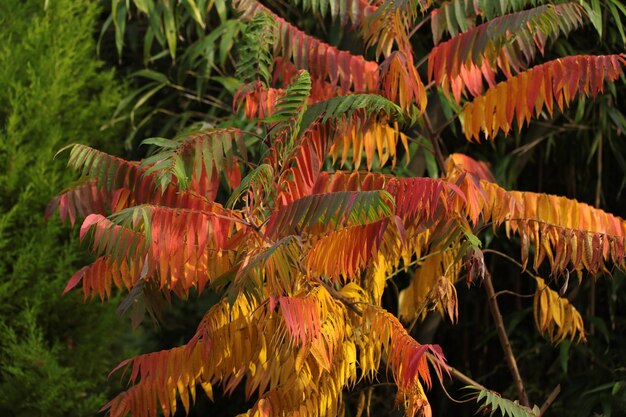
(55, 351)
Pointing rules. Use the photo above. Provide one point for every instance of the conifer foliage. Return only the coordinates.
(302, 250)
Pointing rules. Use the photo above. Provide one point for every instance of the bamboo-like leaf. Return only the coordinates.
(527, 94)
(118, 14)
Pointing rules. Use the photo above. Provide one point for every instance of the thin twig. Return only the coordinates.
(456, 374)
(505, 256)
(555, 393)
(592, 290)
(434, 139)
(504, 341)
(418, 26)
(503, 292)
(445, 391)
(420, 310)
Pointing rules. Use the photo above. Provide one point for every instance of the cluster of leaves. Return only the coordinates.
(301, 253)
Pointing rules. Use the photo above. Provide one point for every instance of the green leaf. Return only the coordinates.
(118, 11)
(256, 49)
(334, 210)
(344, 106)
(220, 6)
(152, 75)
(194, 11)
(290, 109)
(170, 27)
(493, 402)
(612, 5)
(260, 176)
(161, 142)
(142, 5)
(595, 14)
(231, 84)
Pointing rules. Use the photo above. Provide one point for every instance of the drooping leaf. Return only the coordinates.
(330, 210)
(257, 102)
(458, 163)
(525, 95)
(354, 11)
(509, 42)
(456, 16)
(197, 158)
(181, 249)
(302, 318)
(160, 378)
(432, 287)
(260, 178)
(400, 81)
(346, 252)
(320, 59)
(340, 108)
(111, 184)
(290, 108)
(390, 25)
(564, 231)
(556, 316)
(406, 356)
(271, 268)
